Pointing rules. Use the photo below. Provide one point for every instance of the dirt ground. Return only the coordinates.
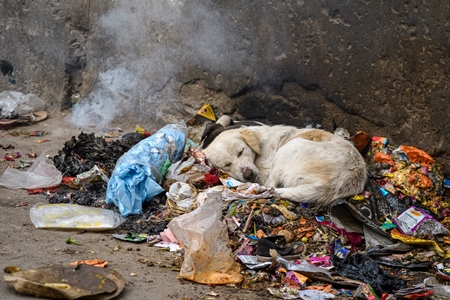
(148, 272)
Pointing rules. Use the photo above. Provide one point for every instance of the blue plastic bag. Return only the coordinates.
(138, 173)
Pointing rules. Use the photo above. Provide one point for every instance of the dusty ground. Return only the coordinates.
(22, 245)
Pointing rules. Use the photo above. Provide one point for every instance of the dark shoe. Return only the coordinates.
(278, 243)
(273, 242)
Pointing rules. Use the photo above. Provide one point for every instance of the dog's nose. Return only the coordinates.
(249, 175)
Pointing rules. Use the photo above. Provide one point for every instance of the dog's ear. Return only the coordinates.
(209, 128)
(252, 139)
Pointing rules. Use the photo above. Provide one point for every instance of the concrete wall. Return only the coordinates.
(377, 66)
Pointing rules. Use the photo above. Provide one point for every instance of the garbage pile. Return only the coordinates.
(390, 242)
(369, 246)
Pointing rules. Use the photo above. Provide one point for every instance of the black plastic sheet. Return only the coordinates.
(362, 267)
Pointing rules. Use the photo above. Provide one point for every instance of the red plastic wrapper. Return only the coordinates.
(43, 190)
(211, 178)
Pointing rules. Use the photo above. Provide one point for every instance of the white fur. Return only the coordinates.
(303, 165)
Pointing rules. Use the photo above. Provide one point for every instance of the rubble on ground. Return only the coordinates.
(389, 242)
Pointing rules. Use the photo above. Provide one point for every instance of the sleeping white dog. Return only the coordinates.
(303, 165)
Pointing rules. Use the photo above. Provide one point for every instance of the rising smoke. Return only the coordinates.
(145, 44)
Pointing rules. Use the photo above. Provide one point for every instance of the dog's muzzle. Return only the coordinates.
(249, 175)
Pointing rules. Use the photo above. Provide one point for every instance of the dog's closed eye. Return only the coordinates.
(240, 153)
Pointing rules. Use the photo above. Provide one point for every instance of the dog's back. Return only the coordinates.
(317, 170)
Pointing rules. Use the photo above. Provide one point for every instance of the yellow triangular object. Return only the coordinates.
(140, 130)
(207, 112)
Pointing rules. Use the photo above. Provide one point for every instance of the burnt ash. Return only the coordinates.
(91, 194)
(151, 221)
(82, 154)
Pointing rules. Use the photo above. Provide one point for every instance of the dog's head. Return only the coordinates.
(234, 151)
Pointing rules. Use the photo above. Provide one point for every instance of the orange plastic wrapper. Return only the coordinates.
(327, 288)
(396, 234)
(260, 234)
(417, 155)
(295, 279)
(420, 180)
(93, 262)
(380, 157)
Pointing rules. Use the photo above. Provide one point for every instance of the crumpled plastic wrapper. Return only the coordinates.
(41, 174)
(181, 198)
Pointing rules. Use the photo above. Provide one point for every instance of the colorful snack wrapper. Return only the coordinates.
(417, 223)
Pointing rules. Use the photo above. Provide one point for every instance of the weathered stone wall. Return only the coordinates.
(377, 66)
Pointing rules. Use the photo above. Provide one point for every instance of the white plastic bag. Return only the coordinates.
(74, 216)
(208, 258)
(13, 104)
(181, 198)
(41, 174)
